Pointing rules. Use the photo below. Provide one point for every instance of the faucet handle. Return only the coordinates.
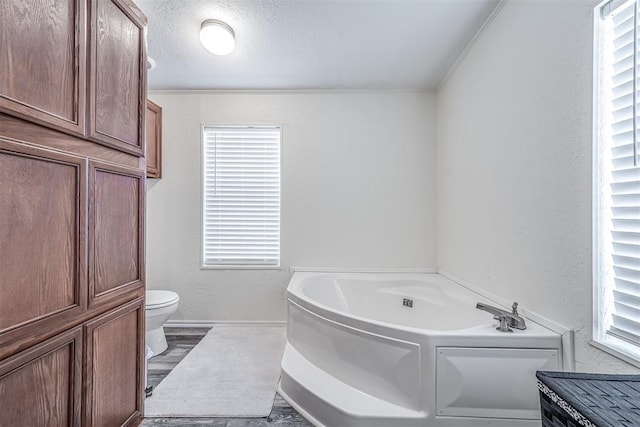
(504, 324)
(514, 308)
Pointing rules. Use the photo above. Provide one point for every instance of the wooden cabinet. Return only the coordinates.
(114, 390)
(43, 239)
(116, 218)
(72, 186)
(154, 140)
(42, 386)
(43, 59)
(117, 78)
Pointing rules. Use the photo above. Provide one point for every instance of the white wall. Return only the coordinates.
(514, 165)
(358, 190)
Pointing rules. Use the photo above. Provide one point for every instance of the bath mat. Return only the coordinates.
(232, 372)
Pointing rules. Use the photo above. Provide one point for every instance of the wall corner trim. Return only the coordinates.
(473, 40)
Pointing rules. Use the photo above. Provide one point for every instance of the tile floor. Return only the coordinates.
(181, 341)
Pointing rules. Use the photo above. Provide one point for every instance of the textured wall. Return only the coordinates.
(514, 165)
(358, 190)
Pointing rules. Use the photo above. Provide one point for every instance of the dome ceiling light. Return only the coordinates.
(217, 37)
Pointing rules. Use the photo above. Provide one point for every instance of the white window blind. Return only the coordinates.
(241, 185)
(617, 183)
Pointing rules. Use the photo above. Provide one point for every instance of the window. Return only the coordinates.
(241, 196)
(617, 180)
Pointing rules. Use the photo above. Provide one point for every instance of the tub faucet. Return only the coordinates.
(507, 320)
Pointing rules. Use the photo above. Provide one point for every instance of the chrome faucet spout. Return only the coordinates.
(491, 309)
(507, 319)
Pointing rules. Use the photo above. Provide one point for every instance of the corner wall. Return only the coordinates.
(358, 190)
(514, 165)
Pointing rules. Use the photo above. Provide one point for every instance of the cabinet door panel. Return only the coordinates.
(114, 352)
(118, 76)
(41, 386)
(116, 231)
(42, 205)
(44, 40)
(154, 140)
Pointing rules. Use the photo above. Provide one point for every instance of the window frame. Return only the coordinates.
(624, 350)
(203, 264)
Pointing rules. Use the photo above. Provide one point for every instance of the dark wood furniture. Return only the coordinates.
(72, 202)
(117, 103)
(154, 140)
(43, 59)
(572, 399)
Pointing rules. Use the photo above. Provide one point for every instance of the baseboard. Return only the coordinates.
(363, 270)
(212, 323)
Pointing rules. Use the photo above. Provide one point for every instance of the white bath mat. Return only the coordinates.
(232, 372)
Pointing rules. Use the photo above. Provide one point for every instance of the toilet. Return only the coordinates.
(159, 306)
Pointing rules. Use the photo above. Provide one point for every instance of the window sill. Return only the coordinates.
(619, 348)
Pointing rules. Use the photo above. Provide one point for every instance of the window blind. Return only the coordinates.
(241, 186)
(618, 186)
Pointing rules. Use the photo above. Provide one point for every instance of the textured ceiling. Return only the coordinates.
(312, 44)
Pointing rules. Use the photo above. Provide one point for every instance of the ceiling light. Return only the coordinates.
(217, 37)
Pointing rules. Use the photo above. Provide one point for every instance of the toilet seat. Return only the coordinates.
(158, 299)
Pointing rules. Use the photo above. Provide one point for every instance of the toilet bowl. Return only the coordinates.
(159, 306)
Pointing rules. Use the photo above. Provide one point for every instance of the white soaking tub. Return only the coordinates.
(393, 350)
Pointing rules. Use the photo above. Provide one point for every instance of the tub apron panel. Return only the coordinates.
(383, 367)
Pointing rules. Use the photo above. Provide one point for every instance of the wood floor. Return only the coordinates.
(181, 341)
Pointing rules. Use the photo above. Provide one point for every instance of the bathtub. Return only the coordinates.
(394, 350)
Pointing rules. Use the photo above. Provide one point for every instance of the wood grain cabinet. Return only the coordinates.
(43, 62)
(42, 386)
(45, 56)
(116, 231)
(43, 238)
(113, 372)
(117, 78)
(72, 187)
(154, 140)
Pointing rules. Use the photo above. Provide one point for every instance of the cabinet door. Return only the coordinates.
(43, 57)
(154, 140)
(116, 231)
(113, 366)
(43, 241)
(41, 386)
(117, 76)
